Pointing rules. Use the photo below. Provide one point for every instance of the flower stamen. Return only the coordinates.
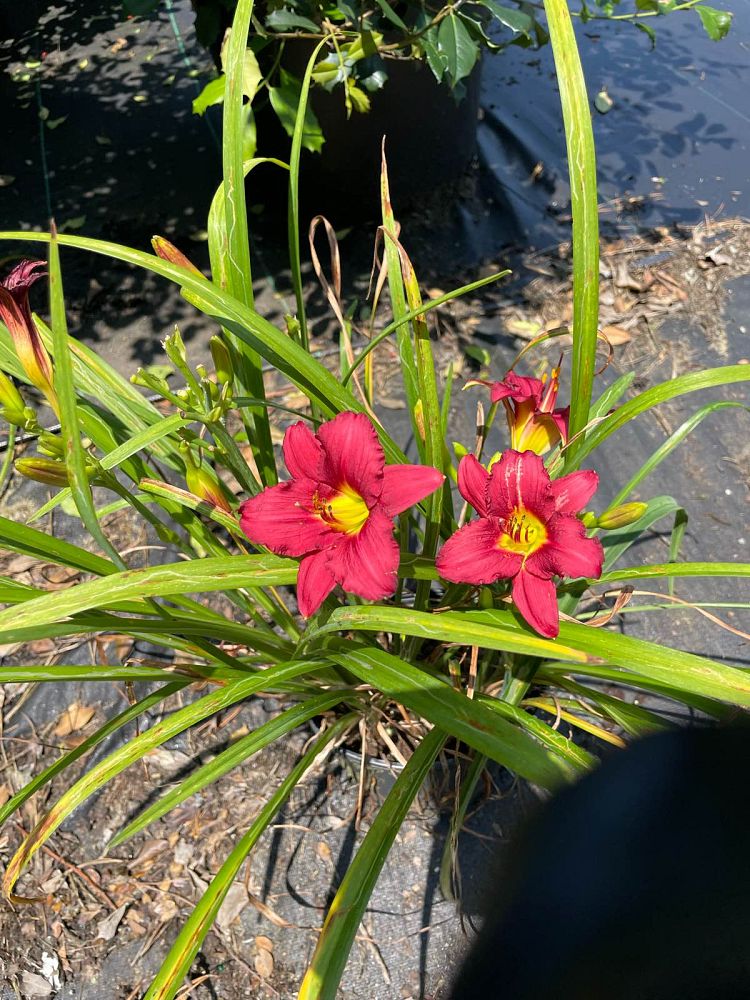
(523, 533)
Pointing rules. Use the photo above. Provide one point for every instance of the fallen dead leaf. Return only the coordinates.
(107, 928)
(263, 963)
(267, 912)
(234, 903)
(33, 985)
(263, 943)
(75, 717)
(616, 335)
(719, 257)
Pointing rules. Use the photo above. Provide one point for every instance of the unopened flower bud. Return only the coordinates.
(174, 346)
(151, 381)
(292, 326)
(486, 599)
(169, 252)
(203, 482)
(51, 444)
(419, 418)
(43, 470)
(222, 360)
(622, 515)
(12, 405)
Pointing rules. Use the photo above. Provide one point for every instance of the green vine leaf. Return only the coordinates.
(716, 23)
(457, 47)
(516, 20)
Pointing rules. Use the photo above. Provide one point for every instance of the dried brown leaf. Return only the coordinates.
(107, 928)
(75, 717)
(263, 963)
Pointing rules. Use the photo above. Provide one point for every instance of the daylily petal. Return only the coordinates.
(473, 479)
(536, 599)
(571, 493)
(315, 581)
(405, 485)
(303, 453)
(568, 551)
(472, 554)
(519, 479)
(516, 387)
(539, 433)
(353, 455)
(281, 518)
(367, 563)
(561, 418)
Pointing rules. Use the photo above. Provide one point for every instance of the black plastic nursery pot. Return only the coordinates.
(430, 141)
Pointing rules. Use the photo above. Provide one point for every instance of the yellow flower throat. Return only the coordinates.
(346, 511)
(524, 533)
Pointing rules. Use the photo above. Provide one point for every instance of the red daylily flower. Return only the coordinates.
(15, 312)
(527, 531)
(534, 423)
(337, 510)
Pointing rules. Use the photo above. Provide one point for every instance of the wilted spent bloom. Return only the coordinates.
(169, 252)
(15, 312)
(12, 406)
(534, 423)
(622, 515)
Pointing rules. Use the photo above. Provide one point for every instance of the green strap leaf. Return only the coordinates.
(238, 272)
(228, 759)
(28, 541)
(501, 731)
(694, 674)
(304, 122)
(182, 953)
(579, 138)
(322, 978)
(75, 456)
(672, 442)
(122, 719)
(200, 575)
(449, 626)
(662, 393)
(98, 776)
